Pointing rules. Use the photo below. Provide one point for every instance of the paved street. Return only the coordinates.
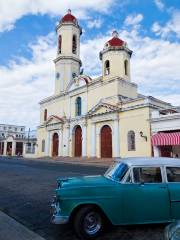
(26, 188)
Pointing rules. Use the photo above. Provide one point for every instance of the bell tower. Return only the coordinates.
(116, 58)
(67, 62)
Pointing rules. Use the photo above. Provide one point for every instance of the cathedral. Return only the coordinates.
(100, 117)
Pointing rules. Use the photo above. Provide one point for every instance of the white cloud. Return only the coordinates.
(170, 28)
(12, 10)
(25, 83)
(159, 4)
(133, 19)
(96, 23)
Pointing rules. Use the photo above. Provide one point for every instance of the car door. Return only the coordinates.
(173, 179)
(146, 199)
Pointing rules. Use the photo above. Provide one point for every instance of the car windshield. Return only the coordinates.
(117, 171)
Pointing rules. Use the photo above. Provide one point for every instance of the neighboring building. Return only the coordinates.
(15, 141)
(100, 117)
(165, 127)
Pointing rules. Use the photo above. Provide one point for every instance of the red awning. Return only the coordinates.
(164, 139)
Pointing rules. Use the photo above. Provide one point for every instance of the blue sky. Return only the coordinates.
(28, 46)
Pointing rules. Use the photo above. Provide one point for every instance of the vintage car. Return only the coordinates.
(132, 191)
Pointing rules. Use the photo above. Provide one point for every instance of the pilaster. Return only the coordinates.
(93, 140)
(115, 136)
(84, 140)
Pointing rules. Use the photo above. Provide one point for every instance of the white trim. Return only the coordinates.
(84, 141)
(66, 144)
(102, 125)
(115, 140)
(93, 140)
(156, 151)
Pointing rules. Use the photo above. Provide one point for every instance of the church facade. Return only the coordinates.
(101, 117)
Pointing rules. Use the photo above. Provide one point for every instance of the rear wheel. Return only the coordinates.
(88, 223)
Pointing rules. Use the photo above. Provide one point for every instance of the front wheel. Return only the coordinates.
(88, 223)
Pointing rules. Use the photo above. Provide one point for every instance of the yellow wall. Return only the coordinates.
(136, 120)
(116, 59)
(41, 135)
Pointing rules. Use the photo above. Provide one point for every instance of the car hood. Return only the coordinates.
(85, 181)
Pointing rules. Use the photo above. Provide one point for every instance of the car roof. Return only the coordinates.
(150, 161)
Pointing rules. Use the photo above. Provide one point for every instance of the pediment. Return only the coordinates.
(53, 119)
(78, 82)
(103, 108)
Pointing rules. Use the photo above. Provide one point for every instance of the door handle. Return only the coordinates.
(163, 187)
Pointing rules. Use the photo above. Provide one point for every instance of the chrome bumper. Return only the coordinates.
(57, 218)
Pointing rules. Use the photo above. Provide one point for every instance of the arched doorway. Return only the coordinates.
(55, 145)
(78, 142)
(106, 142)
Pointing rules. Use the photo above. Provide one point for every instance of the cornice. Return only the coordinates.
(60, 57)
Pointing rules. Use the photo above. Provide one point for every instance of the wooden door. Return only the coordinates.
(55, 145)
(78, 142)
(106, 142)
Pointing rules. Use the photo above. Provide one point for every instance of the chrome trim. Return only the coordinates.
(172, 231)
(58, 219)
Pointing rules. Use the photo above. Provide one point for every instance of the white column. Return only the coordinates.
(156, 151)
(5, 148)
(71, 141)
(84, 141)
(24, 149)
(50, 144)
(13, 148)
(66, 141)
(61, 145)
(47, 142)
(93, 140)
(116, 143)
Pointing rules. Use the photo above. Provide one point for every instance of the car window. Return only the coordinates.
(117, 171)
(128, 179)
(147, 175)
(173, 174)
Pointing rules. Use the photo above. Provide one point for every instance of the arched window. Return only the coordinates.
(43, 146)
(107, 67)
(78, 106)
(126, 67)
(45, 115)
(59, 43)
(131, 141)
(74, 44)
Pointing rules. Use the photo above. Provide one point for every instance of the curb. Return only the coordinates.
(71, 162)
(11, 229)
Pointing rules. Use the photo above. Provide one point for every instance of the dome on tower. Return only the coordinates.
(69, 18)
(115, 41)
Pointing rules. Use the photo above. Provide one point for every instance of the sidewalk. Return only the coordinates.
(11, 229)
(98, 162)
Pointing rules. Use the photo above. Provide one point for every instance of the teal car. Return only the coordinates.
(132, 191)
